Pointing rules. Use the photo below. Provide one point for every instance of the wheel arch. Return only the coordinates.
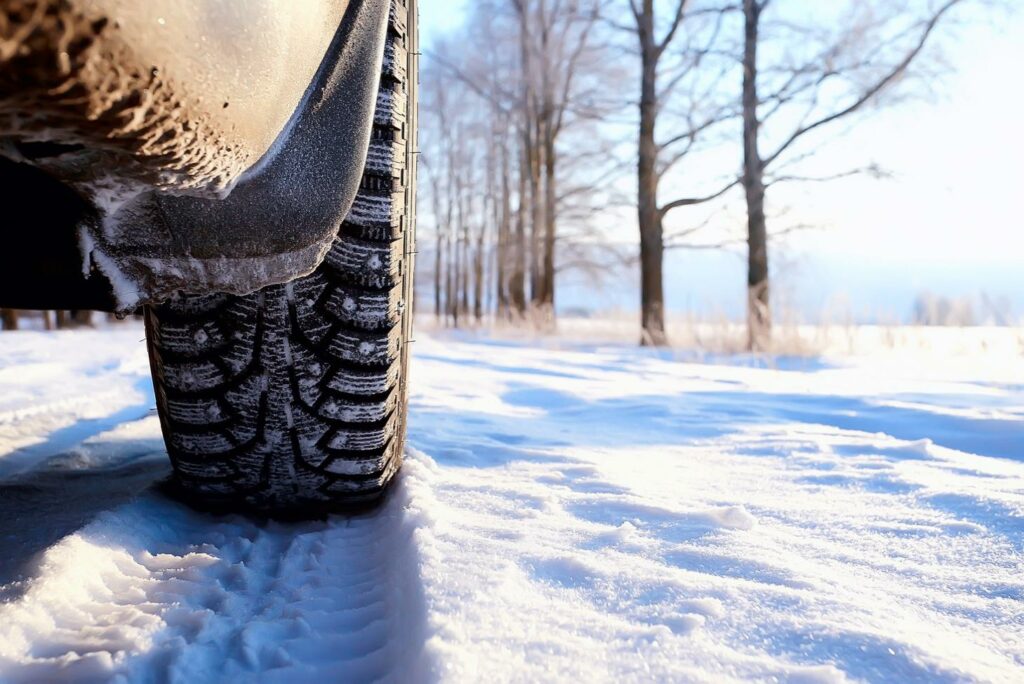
(276, 222)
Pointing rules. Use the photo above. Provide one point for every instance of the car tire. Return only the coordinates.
(293, 399)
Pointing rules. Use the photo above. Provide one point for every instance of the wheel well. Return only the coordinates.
(40, 259)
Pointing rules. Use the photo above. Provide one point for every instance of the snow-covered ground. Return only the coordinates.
(566, 512)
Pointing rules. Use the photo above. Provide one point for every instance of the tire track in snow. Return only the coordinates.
(61, 439)
(59, 389)
(153, 591)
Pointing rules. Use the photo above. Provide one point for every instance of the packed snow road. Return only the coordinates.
(579, 514)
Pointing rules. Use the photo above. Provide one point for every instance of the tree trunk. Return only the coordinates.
(464, 301)
(464, 270)
(759, 324)
(531, 150)
(652, 294)
(451, 291)
(652, 303)
(550, 200)
(440, 228)
(478, 270)
(9, 318)
(503, 221)
(547, 134)
(437, 275)
(517, 279)
(536, 224)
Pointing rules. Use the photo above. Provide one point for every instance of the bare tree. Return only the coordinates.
(523, 160)
(525, 76)
(656, 156)
(439, 163)
(554, 41)
(837, 74)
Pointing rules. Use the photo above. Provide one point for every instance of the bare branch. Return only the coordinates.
(873, 90)
(676, 21)
(872, 170)
(690, 201)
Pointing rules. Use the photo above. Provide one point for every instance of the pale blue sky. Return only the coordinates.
(439, 16)
(957, 159)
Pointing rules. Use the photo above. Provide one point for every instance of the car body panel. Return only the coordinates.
(217, 144)
(244, 64)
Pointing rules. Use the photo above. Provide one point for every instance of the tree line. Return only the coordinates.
(60, 319)
(544, 119)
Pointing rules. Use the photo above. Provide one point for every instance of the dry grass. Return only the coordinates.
(722, 336)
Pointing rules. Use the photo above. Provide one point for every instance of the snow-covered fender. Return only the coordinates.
(199, 145)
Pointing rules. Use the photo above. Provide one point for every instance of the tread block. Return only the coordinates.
(351, 411)
(354, 438)
(364, 262)
(364, 310)
(192, 377)
(349, 382)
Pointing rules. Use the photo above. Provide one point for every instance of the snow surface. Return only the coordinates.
(571, 512)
